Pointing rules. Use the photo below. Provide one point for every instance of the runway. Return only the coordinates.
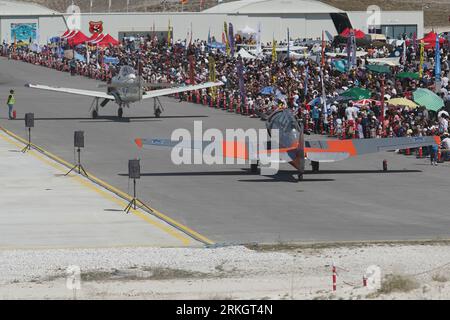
(349, 200)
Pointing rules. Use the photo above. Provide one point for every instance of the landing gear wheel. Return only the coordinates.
(157, 113)
(315, 166)
(94, 114)
(254, 168)
(120, 112)
(300, 177)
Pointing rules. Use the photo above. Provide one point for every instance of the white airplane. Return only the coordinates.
(124, 89)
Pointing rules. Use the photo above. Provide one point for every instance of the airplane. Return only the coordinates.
(124, 89)
(293, 148)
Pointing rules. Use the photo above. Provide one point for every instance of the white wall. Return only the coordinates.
(359, 19)
(300, 25)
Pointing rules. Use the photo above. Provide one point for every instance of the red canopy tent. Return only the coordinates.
(108, 40)
(430, 40)
(358, 33)
(78, 38)
(68, 33)
(95, 38)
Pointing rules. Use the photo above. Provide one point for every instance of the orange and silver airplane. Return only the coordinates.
(293, 148)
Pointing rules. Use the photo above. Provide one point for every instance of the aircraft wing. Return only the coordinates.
(336, 150)
(227, 149)
(80, 92)
(168, 91)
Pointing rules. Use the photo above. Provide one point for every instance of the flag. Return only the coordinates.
(209, 36)
(240, 73)
(415, 42)
(88, 58)
(227, 44)
(258, 40)
(274, 50)
(231, 39)
(323, 49)
(353, 41)
(212, 74)
(306, 81)
(404, 52)
(191, 70)
(421, 58)
(288, 43)
(190, 39)
(169, 35)
(437, 61)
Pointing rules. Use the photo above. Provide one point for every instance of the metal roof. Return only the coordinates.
(20, 8)
(273, 6)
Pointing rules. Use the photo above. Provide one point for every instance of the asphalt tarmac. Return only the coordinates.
(349, 200)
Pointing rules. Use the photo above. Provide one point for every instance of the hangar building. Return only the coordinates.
(304, 18)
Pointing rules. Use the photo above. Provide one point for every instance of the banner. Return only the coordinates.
(421, 59)
(169, 35)
(212, 74)
(274, 50)
(231, 38)
(437, 61)
(191, 69)
(227, 44)
(240, 73)
(111, 60)
(288, 43)
(258, 40)
(306, 82)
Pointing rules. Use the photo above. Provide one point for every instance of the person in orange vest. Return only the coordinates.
(10, 102)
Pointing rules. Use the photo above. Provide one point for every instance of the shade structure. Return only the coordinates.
(68, 33)
(107, 40)
(95, 37)
(428, 99)
(402, 102)
(357, 93)
(77, 39)
(358, 33)
(408, 75)
(430, 40)
(379, 68)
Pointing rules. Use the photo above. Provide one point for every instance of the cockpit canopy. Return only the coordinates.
(127, 72)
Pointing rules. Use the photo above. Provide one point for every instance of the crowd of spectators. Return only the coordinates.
(296, 84)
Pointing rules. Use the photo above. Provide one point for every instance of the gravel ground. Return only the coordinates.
(226, 273)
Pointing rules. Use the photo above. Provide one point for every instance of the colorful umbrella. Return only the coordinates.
(357, 93)
(379, 68)
(408, 75)
(402, 102)
(428, 99)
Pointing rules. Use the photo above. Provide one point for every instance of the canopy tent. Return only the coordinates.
(244, 54)
(357, 93)
(247, 31)
(393, 62)
(430, 40)
(402, 102)
(103, 40)
(68, 33)
(408, 75)
(95, 37)
(379, 68)
(78, 38)
(428, 99)
(358, 33)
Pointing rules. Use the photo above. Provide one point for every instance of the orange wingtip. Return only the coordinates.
(138, 142)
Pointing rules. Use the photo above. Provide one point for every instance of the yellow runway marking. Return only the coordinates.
(108, 196)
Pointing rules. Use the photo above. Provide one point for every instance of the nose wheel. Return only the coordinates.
(120, 112)
(94, 114)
